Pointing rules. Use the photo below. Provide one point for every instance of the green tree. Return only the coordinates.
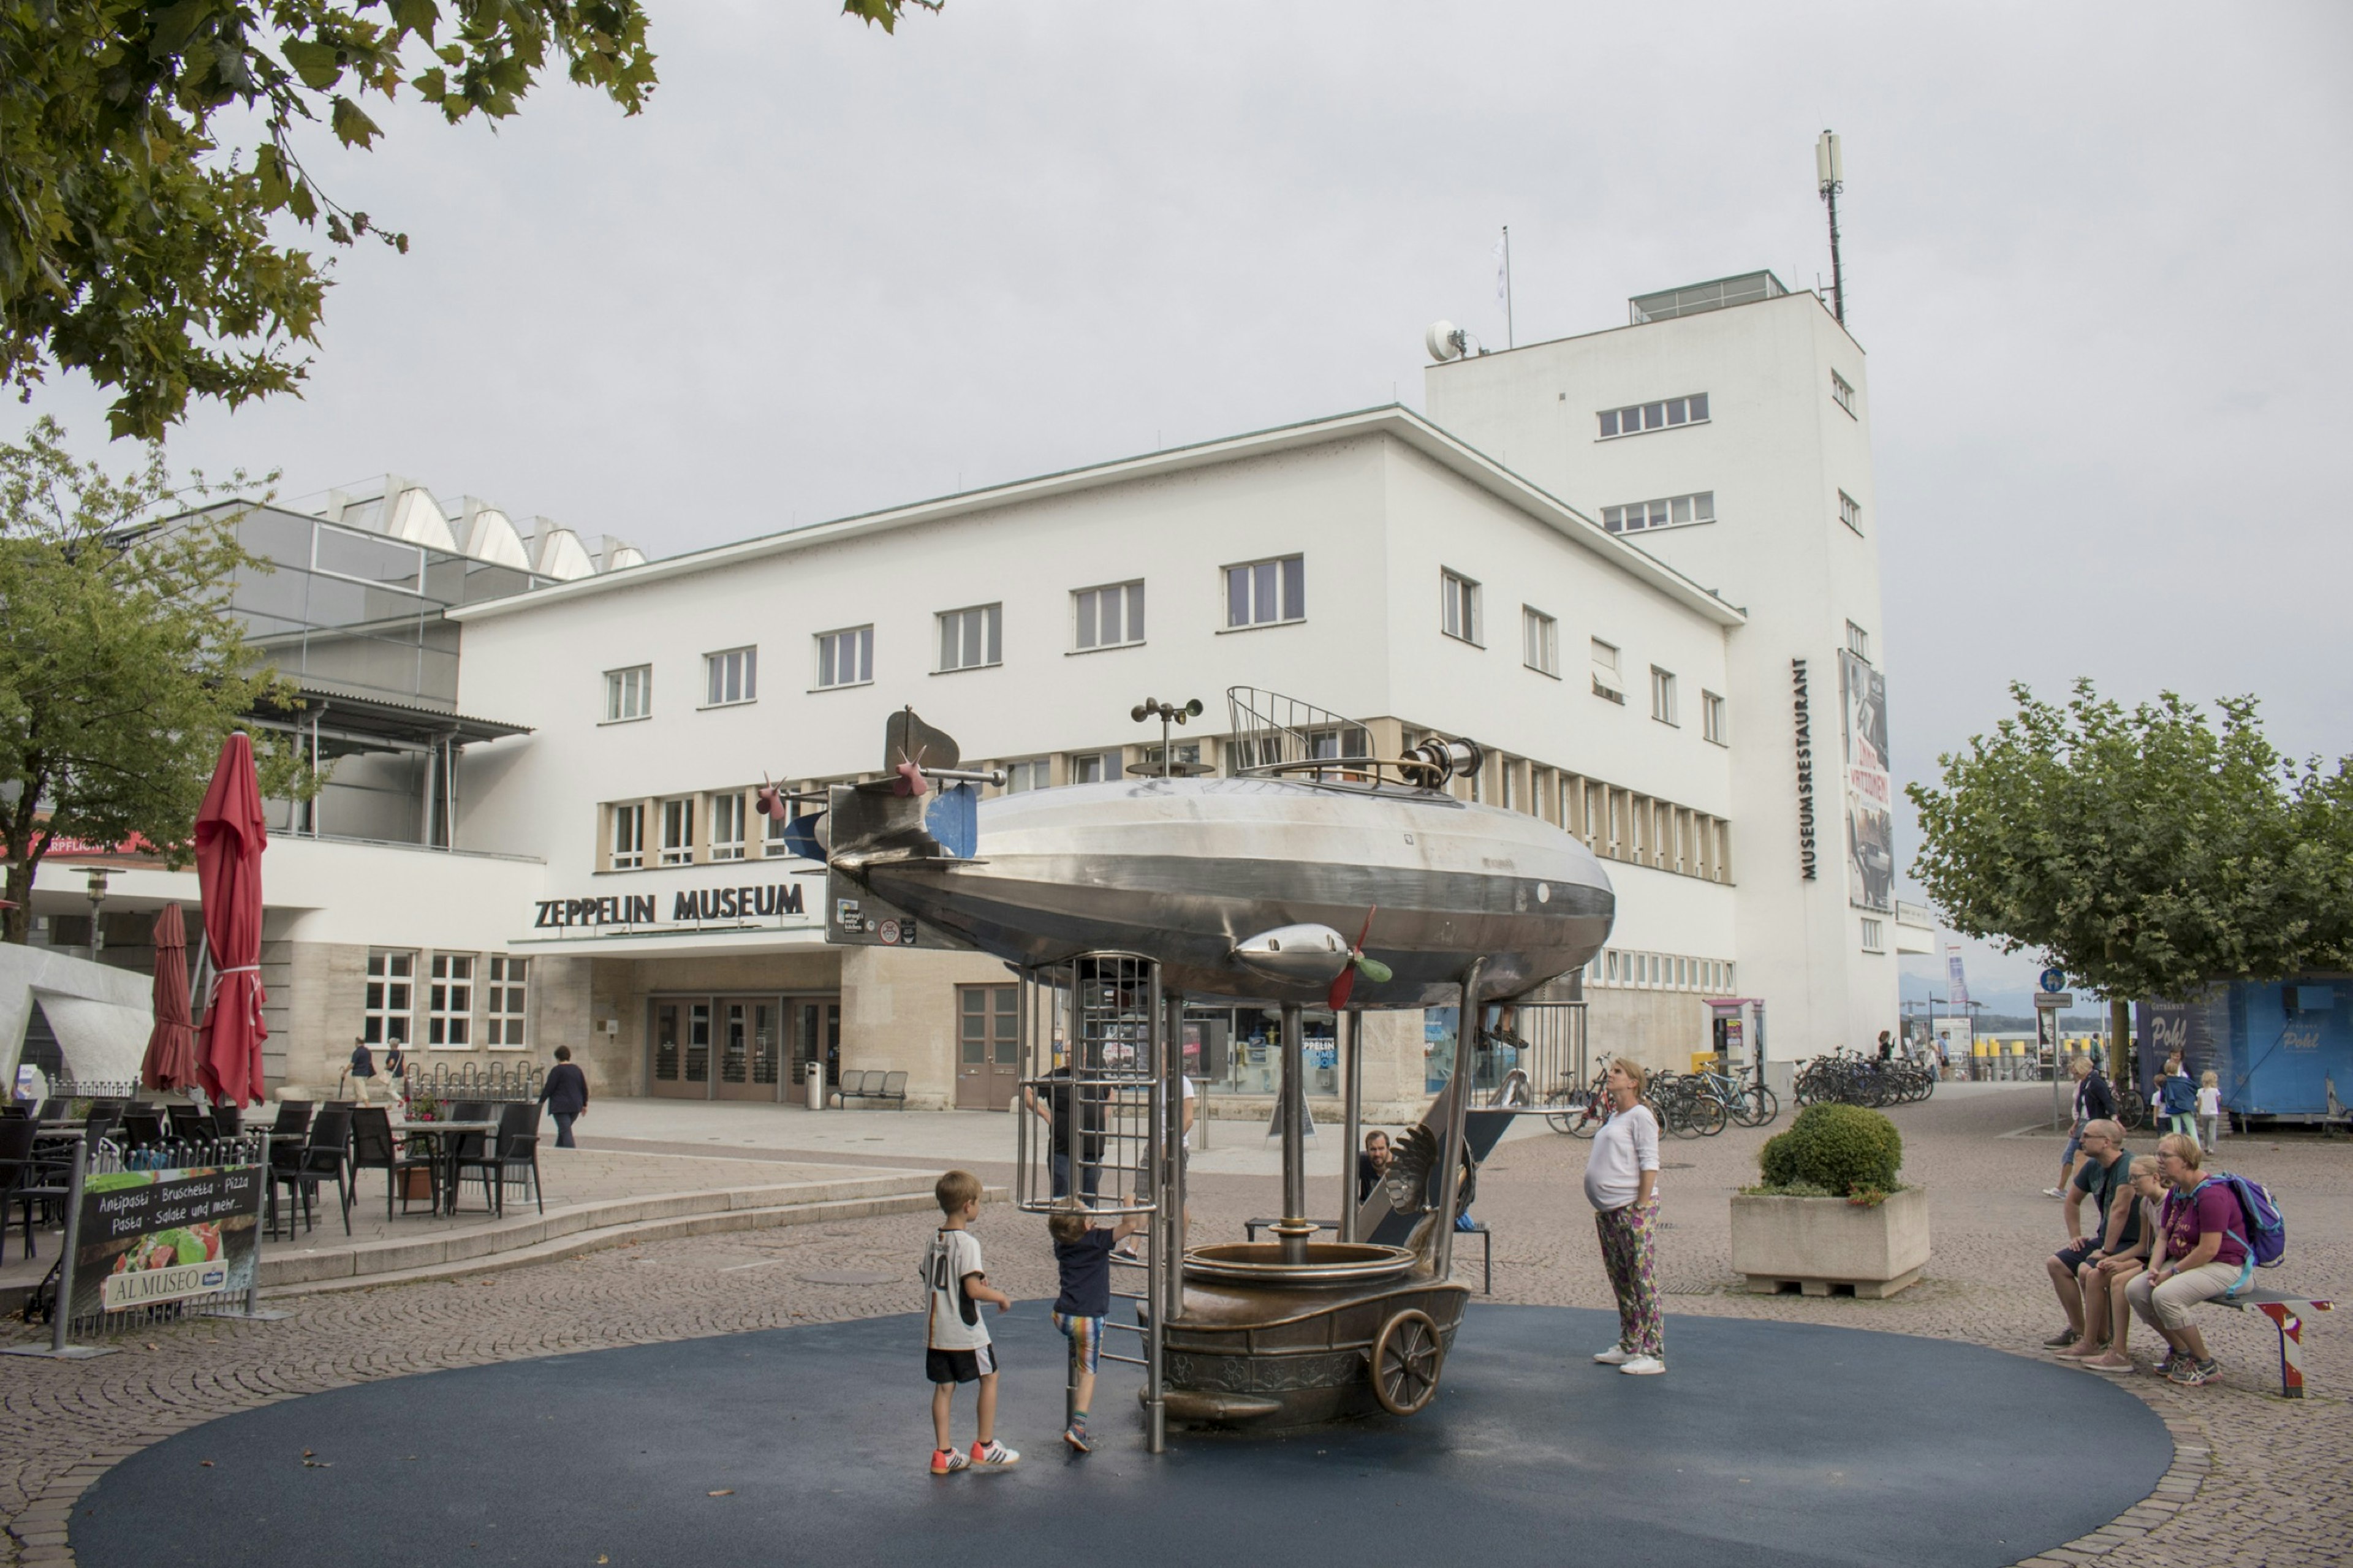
(120, 671)
(145, 149)
(2147, 853)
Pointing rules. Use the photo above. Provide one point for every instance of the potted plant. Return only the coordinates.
(1830, 1211)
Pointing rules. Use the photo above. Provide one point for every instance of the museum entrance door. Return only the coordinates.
(817, 1036)
(750, 1048)
(988, 1046)
(681, 1050)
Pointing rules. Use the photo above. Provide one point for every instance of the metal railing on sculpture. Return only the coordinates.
(1097, 1130)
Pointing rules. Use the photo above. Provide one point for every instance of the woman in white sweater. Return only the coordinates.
(1622, 1182)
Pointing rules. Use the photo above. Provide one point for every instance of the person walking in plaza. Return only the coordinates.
(1622, 1182)
(2105, 1181)
(2178, 1097)
(2095, 1101)
(362, 1072)
(564, 1092)
(1083, 1259)
(957, 1346)
(2196, 1258)
(2210, 1110)
(2104, 1278)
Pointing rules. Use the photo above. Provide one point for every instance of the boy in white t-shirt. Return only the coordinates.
(956, 1347)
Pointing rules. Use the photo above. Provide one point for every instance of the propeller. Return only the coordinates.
(770, 800)
(1344, 982)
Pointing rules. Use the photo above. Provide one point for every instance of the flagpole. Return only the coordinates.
(1511, 339)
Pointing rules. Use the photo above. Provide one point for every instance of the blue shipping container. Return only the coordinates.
(2283, 1049)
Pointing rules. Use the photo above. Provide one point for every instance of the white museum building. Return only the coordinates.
(1639, 566)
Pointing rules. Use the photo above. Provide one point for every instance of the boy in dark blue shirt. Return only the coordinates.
(1083, 1254)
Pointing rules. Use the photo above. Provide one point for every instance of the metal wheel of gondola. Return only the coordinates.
(1406, 1358)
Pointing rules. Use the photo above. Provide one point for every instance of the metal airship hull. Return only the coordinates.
(1181, 870)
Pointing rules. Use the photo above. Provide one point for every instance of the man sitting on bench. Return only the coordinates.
(2106, 1172)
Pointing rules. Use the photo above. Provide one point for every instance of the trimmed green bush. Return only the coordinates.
(1842, 1149)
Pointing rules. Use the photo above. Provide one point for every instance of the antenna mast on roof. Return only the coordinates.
(1829, 173)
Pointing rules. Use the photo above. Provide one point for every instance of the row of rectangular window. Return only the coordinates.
(454, 1002)
(1459, 616)
(1662, 970)
(1616, 824)
(1640, 418)
(1258, 593)
(1667, 511)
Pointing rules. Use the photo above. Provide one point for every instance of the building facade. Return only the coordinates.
(599, 879)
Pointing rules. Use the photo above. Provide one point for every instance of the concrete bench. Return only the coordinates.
(2287, 1313)
(890, 1087)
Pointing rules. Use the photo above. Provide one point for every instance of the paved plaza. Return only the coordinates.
(2255, 1480)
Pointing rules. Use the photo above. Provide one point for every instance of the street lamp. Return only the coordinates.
(97, 927)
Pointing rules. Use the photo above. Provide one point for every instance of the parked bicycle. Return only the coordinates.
(1842, 1078)
(1747, 1102)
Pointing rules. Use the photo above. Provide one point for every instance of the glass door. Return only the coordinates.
(817, 1036)
(669, 1054)
(988, 1046)
(747, 1049)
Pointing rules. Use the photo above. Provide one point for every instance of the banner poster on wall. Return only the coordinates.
(1869, 802)
(151, 1237)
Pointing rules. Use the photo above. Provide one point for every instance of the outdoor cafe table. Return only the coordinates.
(448, 1137)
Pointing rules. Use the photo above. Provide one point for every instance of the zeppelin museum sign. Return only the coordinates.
(703, 908)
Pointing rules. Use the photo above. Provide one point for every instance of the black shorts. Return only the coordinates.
(960, 1366)
(2074, 1257)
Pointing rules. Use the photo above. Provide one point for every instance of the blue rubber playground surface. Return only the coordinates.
(1767, 1443)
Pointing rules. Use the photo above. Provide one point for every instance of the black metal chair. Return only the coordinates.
(374, 1148)
(293, 1116)
(142, 1128)
(517, 1152)
(324, 1156)
(189, 1125)
(228, 1121)
(469, 1110)
(16, 1174)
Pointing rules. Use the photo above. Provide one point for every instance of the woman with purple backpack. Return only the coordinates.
(2199, 1256)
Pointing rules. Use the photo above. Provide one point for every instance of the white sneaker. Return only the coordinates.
(1644, 1367)
(1615, 1355)
(2052, 1193)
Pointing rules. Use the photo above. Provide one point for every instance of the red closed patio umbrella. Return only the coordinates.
(171, 1061)
(230, 838)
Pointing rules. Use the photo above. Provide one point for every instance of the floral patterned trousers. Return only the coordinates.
(1627, 1252)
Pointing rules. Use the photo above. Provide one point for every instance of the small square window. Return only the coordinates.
(1874, 936)
(1094, 767)
(1035, 772)
(1266, 592)
(1850, 511)
(1663, 696)
(1858, 642)
(1107, 617)
(973, 639)
(1711, 713)
(628, 693)
(845, 658)
(1842, 394)
(730, 676)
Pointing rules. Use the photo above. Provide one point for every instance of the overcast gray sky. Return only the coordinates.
(2098, 255)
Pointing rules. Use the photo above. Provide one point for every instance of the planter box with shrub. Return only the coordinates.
(1830, 1211)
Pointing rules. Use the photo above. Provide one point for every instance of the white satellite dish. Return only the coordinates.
(1444, 340)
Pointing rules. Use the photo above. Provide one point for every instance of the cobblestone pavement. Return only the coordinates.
(2260, 1482)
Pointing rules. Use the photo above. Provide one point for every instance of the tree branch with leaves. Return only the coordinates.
(145, 149)
(122, 668)
(2147, 852)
